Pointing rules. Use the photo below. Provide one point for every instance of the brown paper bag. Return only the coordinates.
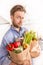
(23, 58)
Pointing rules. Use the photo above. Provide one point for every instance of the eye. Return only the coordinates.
(19, 17)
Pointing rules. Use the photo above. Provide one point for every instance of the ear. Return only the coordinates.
(11, 16)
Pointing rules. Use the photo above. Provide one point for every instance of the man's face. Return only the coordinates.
(17, 18)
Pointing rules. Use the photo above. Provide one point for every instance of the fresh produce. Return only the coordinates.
(10, 47)
(18, 50)
(18, 47)
(25, 45)
(17, 44)
(28, 36)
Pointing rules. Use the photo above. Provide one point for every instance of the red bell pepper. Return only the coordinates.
(17, 44)
(10, 46)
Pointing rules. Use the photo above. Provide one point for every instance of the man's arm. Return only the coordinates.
(4, 60)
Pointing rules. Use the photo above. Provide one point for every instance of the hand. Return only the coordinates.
(34, 49)
(18, 39)
(27, 62)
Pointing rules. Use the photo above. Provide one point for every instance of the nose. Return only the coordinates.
(21, 19)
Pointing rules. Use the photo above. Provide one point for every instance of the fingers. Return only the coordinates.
(18, 39)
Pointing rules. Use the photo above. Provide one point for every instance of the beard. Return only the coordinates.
(17, 26)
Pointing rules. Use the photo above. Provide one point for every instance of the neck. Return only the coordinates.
(18, 29)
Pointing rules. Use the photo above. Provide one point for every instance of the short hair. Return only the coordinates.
(17, 8)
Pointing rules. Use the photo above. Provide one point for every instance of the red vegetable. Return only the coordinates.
(17, 44)
(10, 47)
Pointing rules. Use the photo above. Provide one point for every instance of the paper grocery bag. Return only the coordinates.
(21, 58)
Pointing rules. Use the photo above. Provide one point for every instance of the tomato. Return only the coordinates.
(17, 44)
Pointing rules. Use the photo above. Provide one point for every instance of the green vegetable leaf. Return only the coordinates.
(28, 36)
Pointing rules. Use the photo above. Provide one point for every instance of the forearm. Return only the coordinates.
(34, 54)
(35, 49)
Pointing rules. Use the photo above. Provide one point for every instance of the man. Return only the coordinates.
(15, 32)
